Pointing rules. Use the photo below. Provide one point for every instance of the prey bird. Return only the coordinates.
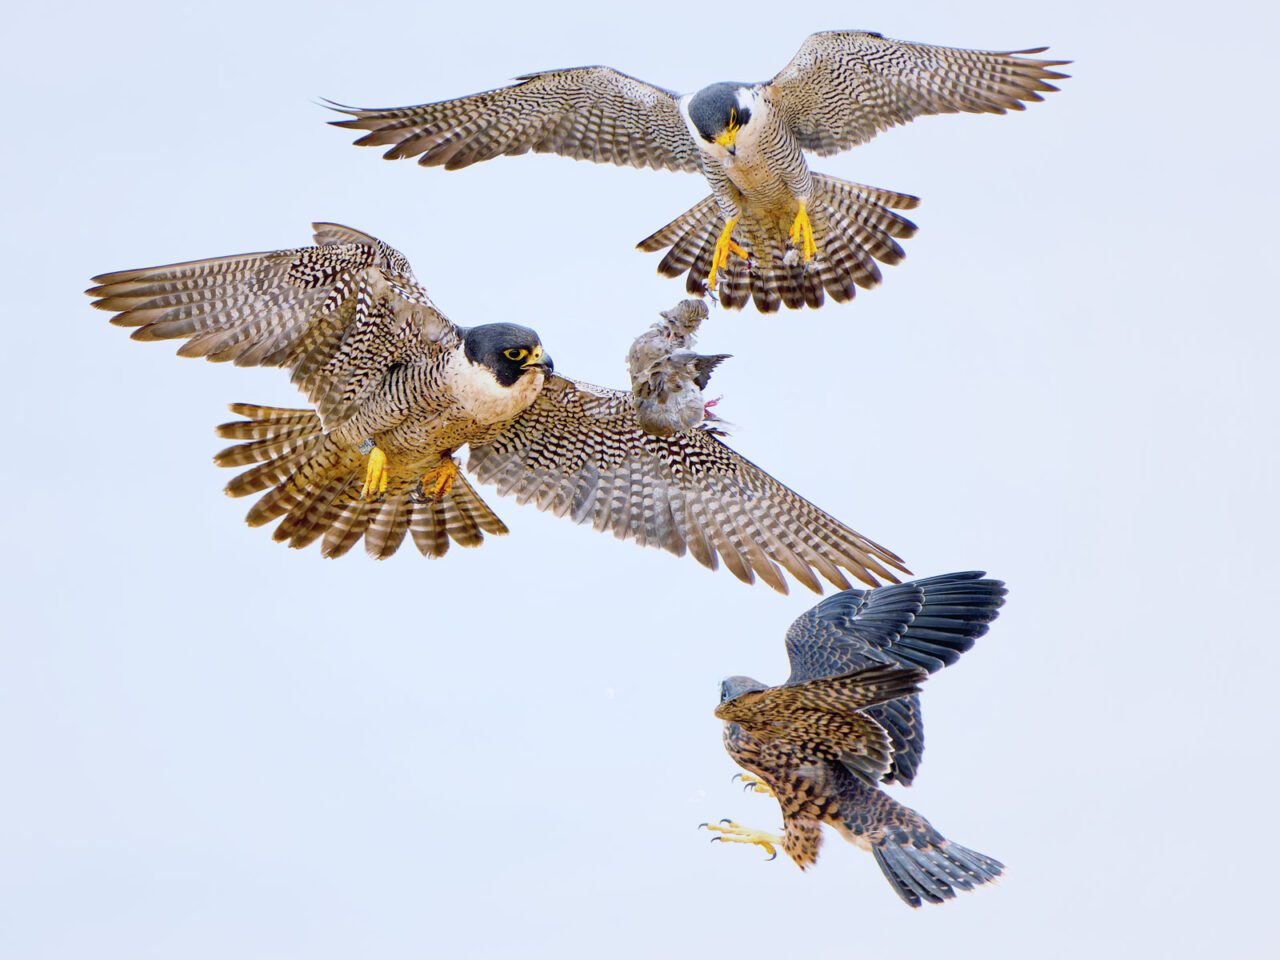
(772, 230)
(848, 718)
(398, 390)
(668, 377)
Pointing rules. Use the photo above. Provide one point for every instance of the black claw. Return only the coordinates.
(725, 820)
(774, 857)
(714, 839)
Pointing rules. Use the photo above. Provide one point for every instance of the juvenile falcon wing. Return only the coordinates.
(925, 623)
(825, 717)
(337, 314)
(587, 113)
(579, 452)
(843, 86)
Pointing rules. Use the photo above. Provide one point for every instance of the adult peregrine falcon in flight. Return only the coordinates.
(772, 230)
(398, 389)
(848, 718)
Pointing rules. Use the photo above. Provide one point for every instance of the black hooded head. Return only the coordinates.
(508, 349)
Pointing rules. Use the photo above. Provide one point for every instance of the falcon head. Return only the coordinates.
(733, 687)
(506, 350)
(720, 112)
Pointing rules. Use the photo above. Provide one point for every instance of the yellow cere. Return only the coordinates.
(730, 134)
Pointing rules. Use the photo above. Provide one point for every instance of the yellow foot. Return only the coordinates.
(437, 483)
(731, 832)
(802, 235)
(754, 784)
(725, 248)
(375, 472)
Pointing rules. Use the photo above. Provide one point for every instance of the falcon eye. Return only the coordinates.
(515, 353)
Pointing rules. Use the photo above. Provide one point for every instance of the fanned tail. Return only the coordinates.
(314, 485)
(854, 226)
(922, 865)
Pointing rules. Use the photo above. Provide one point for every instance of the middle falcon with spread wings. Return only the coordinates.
(398, 390)
(848, 718)
(778, 232)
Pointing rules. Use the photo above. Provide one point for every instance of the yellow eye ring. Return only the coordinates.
(515, 353)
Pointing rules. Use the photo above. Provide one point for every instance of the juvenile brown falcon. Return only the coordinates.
(776, 231)
(849, 717)
(398, 390)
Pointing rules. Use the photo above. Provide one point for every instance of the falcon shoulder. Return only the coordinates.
(826, 716)
(587, 113)
(338, 314)
(843, 87)
(579, 452)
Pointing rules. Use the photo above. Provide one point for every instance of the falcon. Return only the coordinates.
(772, 229)
(848, 719)
(667, 377)
(398, 390)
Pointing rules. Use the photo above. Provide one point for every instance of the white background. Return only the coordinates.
(215, 747)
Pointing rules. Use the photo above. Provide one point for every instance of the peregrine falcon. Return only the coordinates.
(667, 377)
(776, 231)
(848, 718)
(398, 389)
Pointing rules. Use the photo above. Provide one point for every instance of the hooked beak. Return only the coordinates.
(538, 359)
(729, 138)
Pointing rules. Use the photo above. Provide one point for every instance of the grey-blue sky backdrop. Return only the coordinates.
(215, 747)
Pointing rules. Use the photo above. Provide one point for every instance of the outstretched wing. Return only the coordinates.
(824, 716)
(587, 113)
(843, 87)
(579, 452)
(338, 314)
(924, 623)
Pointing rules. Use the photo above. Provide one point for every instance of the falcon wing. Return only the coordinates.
(587, 113)
(338, 314)
(579, 452)
(926, 623)
(843, 87)
(824, 716)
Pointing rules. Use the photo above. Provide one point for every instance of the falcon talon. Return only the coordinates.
(751, 784)
(436, 484)
(375, 474)
(731, 832)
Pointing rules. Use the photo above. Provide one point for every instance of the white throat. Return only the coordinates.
(481, 397)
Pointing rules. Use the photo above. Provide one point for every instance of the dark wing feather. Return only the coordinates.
(337, 314)
(587, 113)
(843, 87)
(924, 623)
(579, 452)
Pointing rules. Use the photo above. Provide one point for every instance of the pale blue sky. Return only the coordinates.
(216, 747)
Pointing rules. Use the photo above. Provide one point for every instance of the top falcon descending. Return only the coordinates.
(773, 229)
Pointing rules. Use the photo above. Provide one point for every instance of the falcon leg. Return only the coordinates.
(437, 483)
(802, 235)
(754, 784)
(375, 471)
(731, 832)
(725, 248)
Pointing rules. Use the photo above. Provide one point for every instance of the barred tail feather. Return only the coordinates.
(313, 484)
(933, 873)
(854, 226)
